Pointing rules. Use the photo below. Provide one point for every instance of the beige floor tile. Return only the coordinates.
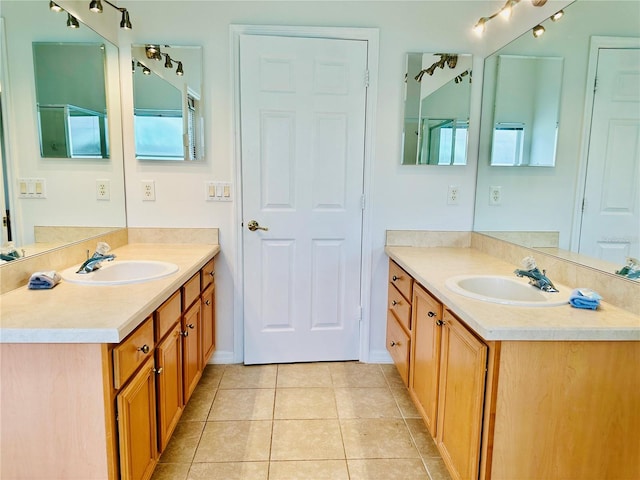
(243, 404)
(199, 404)
(305, 403)
(309, 469)
(390, 372)
(183, 443)
(229, 471)
(304, 375)
(241, 441)
(422, 438)
(355, 374)
(306, 440)
(405, 404)
(211, 375)
(171, 471)
(366, 403)
(387, 469)
(437, 469)
(252, 376)
(377, 438)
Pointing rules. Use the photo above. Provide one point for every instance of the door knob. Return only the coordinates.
(253, 226)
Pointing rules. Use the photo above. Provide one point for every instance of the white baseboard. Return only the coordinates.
(221, 357)
(379, 356)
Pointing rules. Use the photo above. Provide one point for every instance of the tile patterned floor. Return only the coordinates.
(312, 421)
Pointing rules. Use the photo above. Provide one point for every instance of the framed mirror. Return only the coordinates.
(525, 126)
(436, 109)
(68, 208)
(167, 98)
(71, 99)
(550, 208)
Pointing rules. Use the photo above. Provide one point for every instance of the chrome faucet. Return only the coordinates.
(94, 261)
(536, 277)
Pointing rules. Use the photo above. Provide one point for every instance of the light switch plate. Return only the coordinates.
(217, 191)
(32, 188)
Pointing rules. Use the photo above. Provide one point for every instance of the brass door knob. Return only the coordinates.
(253, 226)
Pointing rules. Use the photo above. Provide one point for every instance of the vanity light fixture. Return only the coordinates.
(72, 22)
(538, 31)
(125, 22)
(505, 12)
(179, 70)
(54, 7)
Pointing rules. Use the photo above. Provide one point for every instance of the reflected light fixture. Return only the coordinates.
(451, 60)
(72, 22)
(167, 61)
(538, 31)
(54, 7)
(179, 70)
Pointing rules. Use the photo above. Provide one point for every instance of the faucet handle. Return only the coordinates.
(103, 248)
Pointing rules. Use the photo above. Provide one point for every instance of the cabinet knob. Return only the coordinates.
(394, 303)
(439, 322)
(394, 278)
(212, 273)
(207, 302)
(394, 343)
(431, 314)
(157, 371)
(185, 333)
(191, 326)
(144, 349)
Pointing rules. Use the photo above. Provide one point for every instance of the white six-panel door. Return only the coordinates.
(611, 217)
(302, 107)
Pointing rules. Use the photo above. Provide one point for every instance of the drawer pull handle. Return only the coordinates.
(212, 273)
(439, 322)
(394, 278)
(207, 302)
(394, 303)
(157, 371)
(185, 333)
(431, 314)
(144, 349)
(394, 344)
(191, 326)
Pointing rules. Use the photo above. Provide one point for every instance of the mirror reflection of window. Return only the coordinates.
(527, 102)
(437, 104)
(71, 100)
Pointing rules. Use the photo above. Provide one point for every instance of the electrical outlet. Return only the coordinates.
(148, 191)
(453, 195)
(495, 195)
(103, 190)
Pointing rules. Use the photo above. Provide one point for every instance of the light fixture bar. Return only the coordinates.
(505, 12)
(125, 22)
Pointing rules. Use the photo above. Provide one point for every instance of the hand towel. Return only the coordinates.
(584, 298)
(43, 280)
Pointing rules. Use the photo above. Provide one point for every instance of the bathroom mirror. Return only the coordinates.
(167, 98)
(71, 99)
(543, 207)
(525, 126)
(436, 109)
(66, 206)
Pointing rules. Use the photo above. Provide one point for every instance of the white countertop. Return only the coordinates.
(431, 267)
(72, 313)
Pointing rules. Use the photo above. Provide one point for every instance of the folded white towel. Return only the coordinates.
(44, 280)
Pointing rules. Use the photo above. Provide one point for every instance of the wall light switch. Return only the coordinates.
(217, 191)
(32, 188)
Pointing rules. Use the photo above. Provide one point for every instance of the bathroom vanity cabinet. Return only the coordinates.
(518, 408)
(106, 410)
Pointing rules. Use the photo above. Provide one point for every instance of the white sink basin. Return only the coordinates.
(121, 272)
(505, 290)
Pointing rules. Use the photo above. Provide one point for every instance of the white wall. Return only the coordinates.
(400, 197)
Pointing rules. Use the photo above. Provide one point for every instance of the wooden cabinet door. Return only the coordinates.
(191, 351)
(208, 324)
(425, 355)
(169, 384)
(137, 425)
(463, 363)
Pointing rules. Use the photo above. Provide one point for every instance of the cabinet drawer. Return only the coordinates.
(208, 274)
(130, 354)
(400, 307)
(431, 306)
(401, 279)
(398, 344)
(167, 315)
(190, 291)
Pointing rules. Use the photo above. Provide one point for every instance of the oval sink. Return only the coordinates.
(121, 272)
(505, 290)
